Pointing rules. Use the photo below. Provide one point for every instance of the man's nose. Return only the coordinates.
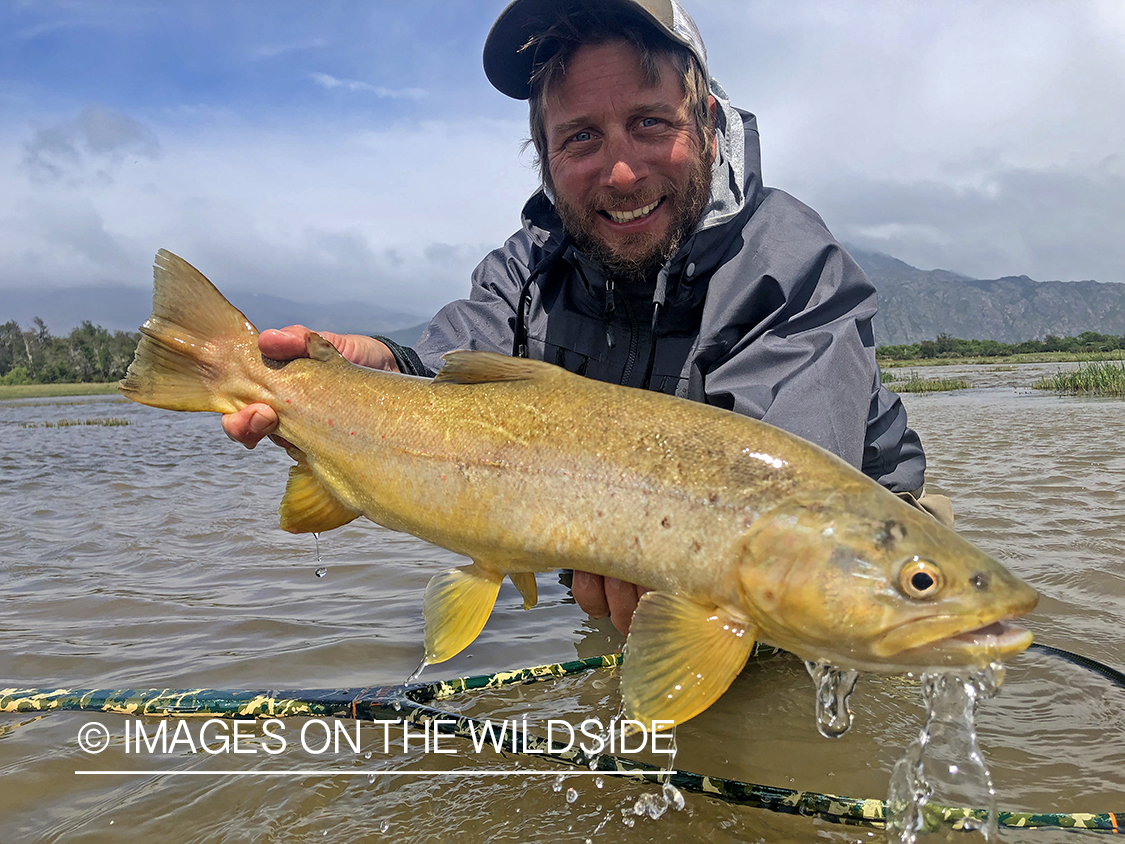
(624, 166)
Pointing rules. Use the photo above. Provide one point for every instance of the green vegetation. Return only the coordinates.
(89, 354)
(40, 391)
(917, 384)
(1089, 345)
(106, 422)
(1096, 378)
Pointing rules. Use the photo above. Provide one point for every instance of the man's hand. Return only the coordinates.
(601, 596)
(256, 421)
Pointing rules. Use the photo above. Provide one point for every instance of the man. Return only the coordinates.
(653, 256)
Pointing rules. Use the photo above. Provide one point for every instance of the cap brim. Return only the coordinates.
(508, 61)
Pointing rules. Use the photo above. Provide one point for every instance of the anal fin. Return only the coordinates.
(679, 658)
(457, 604)
(525, 582)
(308, 505)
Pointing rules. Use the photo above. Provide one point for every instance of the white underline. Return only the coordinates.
(330, 772)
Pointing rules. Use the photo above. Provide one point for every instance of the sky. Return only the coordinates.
(355, 150)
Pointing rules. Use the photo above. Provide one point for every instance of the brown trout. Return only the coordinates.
(743, 531)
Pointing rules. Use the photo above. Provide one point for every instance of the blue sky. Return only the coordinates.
(355, 150)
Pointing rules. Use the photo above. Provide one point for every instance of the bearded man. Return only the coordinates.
(653, 256)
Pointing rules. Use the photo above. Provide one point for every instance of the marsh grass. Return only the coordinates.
(103, 422)
(1093, 378)
(916, 384)
(39, 391)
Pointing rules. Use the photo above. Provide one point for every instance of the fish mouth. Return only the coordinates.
(994, 642)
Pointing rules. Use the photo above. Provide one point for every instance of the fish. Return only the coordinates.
(744, 533)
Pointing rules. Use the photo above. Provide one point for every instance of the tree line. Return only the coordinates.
(92, 353)
(88, 353)
(953, 347)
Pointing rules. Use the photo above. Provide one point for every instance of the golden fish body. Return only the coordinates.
(744, 531)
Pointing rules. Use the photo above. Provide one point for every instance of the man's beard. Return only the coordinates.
(685, 205)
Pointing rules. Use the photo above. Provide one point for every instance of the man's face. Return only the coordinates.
(628, 173)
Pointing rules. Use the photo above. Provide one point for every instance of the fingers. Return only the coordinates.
(290, 342)
(284, 343)
(601, 596)
(622, 598)
(589, 591)
(249, 425)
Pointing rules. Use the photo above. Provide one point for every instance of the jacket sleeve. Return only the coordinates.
(796, 347)
(486, 320)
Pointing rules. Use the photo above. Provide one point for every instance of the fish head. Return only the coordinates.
(866, 581)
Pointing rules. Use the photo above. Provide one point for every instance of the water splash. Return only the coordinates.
(944, 766)
(833, 688)
(320, 572)
(571, 795)
(316, 545)
(417, 672)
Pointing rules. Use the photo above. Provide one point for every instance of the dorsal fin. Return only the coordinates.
(466, 367)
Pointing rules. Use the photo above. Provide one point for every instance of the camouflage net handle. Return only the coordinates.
(411, 704)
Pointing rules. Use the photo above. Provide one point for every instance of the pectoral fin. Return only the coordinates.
(455, 608)
(679, 658)
(525, 582)
(308, 506)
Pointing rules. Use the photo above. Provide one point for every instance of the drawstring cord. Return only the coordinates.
(519, 341)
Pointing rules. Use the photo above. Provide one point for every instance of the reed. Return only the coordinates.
(917, 384)
(38, 391)
(103, 422)
(1093, 378)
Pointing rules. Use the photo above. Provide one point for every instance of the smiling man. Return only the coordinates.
(654, 257)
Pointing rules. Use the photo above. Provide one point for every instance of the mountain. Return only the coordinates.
(122, 308)
(916, 305)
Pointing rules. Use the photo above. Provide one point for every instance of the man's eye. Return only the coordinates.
(649, 122)
(581, 137)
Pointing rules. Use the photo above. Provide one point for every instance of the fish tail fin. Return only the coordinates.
(190, 346)
(457, 604)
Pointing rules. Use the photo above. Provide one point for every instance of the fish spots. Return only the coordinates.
(695, 546)
(351, 433)
(329, 423)
(889, 534)
(289, 401)
(599, 513)
(666, 522)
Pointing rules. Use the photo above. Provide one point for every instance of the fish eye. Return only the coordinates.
(920, 579)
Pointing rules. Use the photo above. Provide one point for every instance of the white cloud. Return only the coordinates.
(324, 80)
(399, 216)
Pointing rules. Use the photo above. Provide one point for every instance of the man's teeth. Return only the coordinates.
(626, 216)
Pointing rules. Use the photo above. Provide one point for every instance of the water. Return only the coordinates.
(944, 766)
(148, 555)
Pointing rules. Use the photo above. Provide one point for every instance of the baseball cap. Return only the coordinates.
(508, 65)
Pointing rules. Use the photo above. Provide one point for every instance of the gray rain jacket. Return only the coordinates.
(760, 311)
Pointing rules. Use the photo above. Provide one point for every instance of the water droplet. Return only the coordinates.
(628, 822)
(833, 688)
(557, 787)
(384, 826)
(397, 706)
(370, 779)
(651, 805)
(599, 782)
(320, 572)
(571, 795)
(673, 796)
(367, 755)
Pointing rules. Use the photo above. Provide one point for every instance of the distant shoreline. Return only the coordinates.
(40, 391)
(1023, 357)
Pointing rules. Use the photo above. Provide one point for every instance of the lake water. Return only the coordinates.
(147, 555)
